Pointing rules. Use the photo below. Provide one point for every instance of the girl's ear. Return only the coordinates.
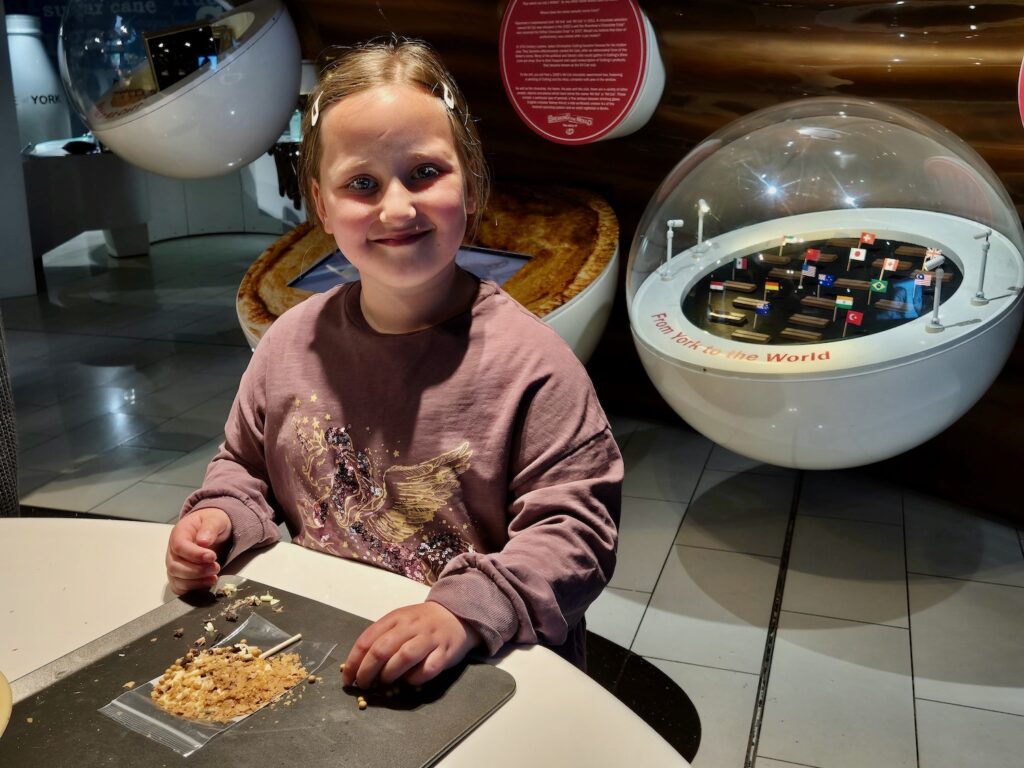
(321, 211)
(470, 196)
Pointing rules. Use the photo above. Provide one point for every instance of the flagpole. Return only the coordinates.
(835, 311)
(845, 325)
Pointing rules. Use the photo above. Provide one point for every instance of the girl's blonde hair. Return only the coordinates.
(392, 61)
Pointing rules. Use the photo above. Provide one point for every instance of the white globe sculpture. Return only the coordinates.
(826, 283)
(181, 90)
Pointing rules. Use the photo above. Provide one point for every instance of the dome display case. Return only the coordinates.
(826, 283)
(182, 90)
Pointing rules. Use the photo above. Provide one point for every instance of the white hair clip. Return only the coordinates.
(316, 110)
(449, 100)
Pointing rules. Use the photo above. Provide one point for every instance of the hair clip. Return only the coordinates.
(449, 100)
(316, 110)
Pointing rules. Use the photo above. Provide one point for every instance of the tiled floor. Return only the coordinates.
(819, 619)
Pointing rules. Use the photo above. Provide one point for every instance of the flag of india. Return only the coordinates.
(844, 302)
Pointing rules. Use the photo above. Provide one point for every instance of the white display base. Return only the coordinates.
(840, 403)
(582, 319)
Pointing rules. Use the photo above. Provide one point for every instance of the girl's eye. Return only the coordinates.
(361, 184)
(426, 172)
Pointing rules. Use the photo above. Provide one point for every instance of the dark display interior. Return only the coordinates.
(816, 291)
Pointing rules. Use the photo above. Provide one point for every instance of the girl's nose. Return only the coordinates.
(396, 205)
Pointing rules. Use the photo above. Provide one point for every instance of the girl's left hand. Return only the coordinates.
(416, 643)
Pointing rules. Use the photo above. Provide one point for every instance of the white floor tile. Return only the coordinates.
(646, 531)
(152, 502)
(710, 608)
(190, 469)
(739, 513)
(946, 540)
(839, 695)
(967, 643)
(953, 737)
(31, 479)
(724, 460)
(616, 614)
(182, 433)
(95, 481)
(847, 569)
(765, 762)
(664, 463)
(85, 442)
(851, 495)
(725, 704)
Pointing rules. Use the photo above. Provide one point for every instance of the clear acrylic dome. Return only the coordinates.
(826, 283)
(818, 155)
(180, 89)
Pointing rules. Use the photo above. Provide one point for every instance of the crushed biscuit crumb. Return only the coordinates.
(129, 685)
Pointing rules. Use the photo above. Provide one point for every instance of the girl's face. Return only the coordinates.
(391, 189)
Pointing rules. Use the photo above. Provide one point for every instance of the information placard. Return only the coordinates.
(577, 71)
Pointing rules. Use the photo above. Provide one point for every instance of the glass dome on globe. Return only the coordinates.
(814, 260)
(187, 89)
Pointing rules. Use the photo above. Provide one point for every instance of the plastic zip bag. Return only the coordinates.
(137, 711)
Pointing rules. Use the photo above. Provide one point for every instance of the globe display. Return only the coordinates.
(184, 88)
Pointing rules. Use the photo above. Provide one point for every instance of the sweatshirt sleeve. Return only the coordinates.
(237, 479)
(560, 554)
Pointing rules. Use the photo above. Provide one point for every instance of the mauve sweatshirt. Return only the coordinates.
(472, 456)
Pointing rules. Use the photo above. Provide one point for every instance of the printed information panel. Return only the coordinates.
(573, 69)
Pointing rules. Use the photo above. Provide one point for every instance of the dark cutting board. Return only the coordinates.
(321, 727)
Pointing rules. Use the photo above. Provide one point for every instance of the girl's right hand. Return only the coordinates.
(193, 548)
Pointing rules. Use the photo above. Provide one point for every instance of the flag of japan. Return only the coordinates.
(858, 254)
(891, 264)
(923, 278)
(717, 285)
(868, 238)
(853, 317)
(811, 254)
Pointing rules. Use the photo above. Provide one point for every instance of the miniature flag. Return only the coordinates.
(809, 270)
(826, 280)
(868, 238)
(763, 308)
(854, 318)
(858, 254)
(922, 278)
(844, 302)
(717, 285)
(879, 286)
(932, 253)
(891, 264)
(788, 239)
(741, 262)
(771, 285)
(811, 254)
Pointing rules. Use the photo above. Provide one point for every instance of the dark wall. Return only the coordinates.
(957, 63)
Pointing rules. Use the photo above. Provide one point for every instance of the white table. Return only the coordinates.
(88, 577)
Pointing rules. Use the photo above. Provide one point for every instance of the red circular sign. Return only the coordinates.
(573, 69)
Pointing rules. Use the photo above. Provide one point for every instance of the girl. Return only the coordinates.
(418, 420)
